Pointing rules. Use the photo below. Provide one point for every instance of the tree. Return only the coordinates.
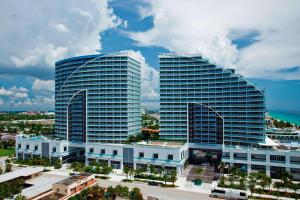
(252, 181)
(286, 179)
(222, 181)
(126, 171)
(264, 180)
(294, 187)
(122, 191)
(110, 193)
(58, 164)
(173, 176)
(8, 167)
(20, 197)
(165, 177)
(277, 185)
(135, 194)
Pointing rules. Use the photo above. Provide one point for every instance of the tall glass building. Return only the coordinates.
(97, 98)
(206, 104)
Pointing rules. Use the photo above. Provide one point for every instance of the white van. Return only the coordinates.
(227, 193)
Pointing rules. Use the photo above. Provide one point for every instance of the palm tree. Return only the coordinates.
(286, 179)
(173, 177)
(126, 171)
(294, 187)
(252, 181)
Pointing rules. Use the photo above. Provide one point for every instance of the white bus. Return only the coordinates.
(227, 193)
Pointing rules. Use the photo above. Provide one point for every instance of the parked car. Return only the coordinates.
(153, 183)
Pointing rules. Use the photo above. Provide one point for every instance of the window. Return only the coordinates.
(54, 149)
(19, 146)
(277, 158)
(36, 147)
(57, 190)
(141, 154)
(102, 151)
(65, 148)
(27, 146)
(155, 155)
(115, 152)
(170, 157)
(91, 150)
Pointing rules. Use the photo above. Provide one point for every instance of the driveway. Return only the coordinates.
(159, 192)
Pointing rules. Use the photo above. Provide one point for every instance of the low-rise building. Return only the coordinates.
(68, 187)
(23, 173)
(270, 159)
(29, 146)
(163, 155)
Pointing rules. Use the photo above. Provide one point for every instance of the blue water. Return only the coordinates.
(288, 116)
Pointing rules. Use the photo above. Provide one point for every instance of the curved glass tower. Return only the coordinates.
(97, 98)
(227, 108)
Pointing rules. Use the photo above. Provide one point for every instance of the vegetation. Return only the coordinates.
(149, 122)
(98, 193)
(7, 152)
(35, 161)
(91, 193)
(281, 124)
(145, 135)
(95, 167)
(258, 182)
(11, 188)
(16, 116)
(57, 164)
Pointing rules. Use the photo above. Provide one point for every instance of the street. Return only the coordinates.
(159, 192)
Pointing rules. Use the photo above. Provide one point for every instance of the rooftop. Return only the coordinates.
(23, 172)
(73, 179)
(162, 144)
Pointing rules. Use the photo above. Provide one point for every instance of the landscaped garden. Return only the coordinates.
(111, 193)
(260, 183)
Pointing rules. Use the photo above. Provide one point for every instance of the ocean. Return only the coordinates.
(288, 116)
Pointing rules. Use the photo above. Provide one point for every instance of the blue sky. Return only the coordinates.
(258, 48)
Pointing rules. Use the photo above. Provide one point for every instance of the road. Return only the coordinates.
(158, 192)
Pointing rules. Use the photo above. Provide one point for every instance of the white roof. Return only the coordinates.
(269, 142)
(27, 171)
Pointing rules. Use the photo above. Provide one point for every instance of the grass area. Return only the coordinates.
(197, 170)
(7, 152)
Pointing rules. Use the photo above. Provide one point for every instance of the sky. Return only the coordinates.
(258, 38)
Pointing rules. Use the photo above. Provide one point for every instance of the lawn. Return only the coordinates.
(7, 152)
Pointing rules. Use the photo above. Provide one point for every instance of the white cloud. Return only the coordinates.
(43, 85)
(61, 28)
(202, 26)
(14, 92)
(34, 34)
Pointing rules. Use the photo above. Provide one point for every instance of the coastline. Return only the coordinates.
(292, 117)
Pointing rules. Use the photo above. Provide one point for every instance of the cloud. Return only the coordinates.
(209, 27)
(149, 78)
(14, 92)
(43, 85)
(35, 35)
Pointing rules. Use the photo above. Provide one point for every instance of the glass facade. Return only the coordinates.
(193, 79)
(205, 125)
(97, 98)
